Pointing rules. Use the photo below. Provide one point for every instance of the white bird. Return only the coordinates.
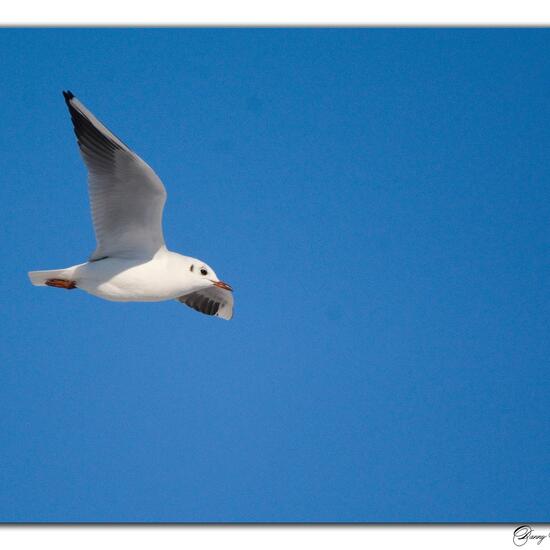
(131, 262)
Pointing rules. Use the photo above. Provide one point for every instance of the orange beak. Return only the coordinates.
(221, 284)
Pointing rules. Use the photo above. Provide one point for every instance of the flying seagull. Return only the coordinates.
(131, 262)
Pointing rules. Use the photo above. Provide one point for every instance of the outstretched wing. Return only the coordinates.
(211, 301)
(126, 196)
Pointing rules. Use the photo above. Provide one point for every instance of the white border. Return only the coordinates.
(281, 12)
(291, 13)
(264, 537)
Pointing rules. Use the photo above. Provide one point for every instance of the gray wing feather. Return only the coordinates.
(127, 197)
(210, 301)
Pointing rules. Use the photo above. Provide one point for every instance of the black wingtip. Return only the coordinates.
(68, 96)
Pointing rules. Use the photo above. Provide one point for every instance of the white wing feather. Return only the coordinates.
(127, 197)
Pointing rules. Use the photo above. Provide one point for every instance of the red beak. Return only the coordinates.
(221, 284)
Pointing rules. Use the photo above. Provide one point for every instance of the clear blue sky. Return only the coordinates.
(379, 199)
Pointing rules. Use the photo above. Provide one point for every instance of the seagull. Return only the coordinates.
(131, 262)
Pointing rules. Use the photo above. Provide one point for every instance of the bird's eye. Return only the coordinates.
(204, 272)
(192, 267)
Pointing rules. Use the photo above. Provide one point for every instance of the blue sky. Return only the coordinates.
(378, 199)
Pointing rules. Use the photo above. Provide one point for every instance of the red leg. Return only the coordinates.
(61, 283)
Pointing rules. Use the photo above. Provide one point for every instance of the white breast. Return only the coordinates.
(125, 280)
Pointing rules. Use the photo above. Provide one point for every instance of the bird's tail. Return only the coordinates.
(39, 278)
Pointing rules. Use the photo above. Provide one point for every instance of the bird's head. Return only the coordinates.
(205, 292)
(205, 275)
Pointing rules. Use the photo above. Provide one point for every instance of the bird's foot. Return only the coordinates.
(61, 283)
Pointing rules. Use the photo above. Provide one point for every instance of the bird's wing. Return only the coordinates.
(211, 301)
(126, 196)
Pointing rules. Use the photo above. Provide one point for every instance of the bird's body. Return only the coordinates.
(131, 262)
(163, 277)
